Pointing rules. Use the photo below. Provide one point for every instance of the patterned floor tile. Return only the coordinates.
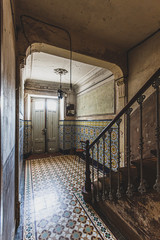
(53, 204)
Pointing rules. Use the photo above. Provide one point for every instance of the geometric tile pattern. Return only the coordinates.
(72, 132)
(53, 204)
(98, 223)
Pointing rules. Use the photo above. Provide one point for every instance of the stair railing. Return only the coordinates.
(99, 190)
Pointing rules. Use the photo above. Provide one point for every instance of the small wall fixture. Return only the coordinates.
(61, 72)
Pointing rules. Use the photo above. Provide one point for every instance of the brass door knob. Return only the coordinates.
(44, 131)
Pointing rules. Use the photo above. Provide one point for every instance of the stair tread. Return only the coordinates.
(145, 160)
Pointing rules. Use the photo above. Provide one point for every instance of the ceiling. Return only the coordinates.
(40, 66)
(118, 24)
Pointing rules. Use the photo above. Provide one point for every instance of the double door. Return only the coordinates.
(44, 125)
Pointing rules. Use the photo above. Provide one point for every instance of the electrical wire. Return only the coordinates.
(51, 25)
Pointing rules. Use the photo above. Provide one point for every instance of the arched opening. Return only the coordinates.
(94, 95)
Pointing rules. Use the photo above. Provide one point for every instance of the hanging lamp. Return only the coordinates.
(60, 72)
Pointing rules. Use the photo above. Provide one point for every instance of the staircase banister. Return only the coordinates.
(128, 105)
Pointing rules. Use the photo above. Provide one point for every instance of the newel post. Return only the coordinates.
(86, 191)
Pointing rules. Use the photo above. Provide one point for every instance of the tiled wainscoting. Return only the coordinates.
(72, 132)
(27, 137)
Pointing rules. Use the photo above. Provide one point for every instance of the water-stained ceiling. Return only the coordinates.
(104, 29)
(121, 24)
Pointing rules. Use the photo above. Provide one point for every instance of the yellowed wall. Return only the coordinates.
(97, 101)
(143, 62)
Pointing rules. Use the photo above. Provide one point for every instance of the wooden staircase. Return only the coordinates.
(136, 218)
(128, 198)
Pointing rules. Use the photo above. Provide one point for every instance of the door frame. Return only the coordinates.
(1, 201)
(58, 111)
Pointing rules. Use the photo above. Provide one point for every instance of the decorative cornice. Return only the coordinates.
(87, 76)
(44, 85)
(120, 82)
(102, 74)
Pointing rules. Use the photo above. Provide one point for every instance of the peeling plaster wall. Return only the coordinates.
(141, 214)
(7, 123)
(149, 126)
(95, 98)
(98, 101)
(144, 60)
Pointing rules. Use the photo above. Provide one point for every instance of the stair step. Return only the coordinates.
(123, 179)
(136, 218)
(149, 166)
(117, 225)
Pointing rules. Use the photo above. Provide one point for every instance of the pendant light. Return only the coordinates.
(61, 72)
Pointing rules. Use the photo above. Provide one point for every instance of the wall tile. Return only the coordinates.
(72, 132)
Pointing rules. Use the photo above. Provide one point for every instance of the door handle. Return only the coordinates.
(44, 131)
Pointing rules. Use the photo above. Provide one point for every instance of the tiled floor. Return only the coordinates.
(53, 204)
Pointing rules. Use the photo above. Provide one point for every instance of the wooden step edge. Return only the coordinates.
(145, 159)
(121, 230)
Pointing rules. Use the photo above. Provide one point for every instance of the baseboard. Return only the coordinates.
(26, 155)
(66, 151)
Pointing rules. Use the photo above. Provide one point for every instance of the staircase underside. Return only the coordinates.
(137, 217)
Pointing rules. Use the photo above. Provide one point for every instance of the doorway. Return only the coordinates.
(44, 125)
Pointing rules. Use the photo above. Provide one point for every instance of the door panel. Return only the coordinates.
(38, 123)
(45, 125)
(52, 125)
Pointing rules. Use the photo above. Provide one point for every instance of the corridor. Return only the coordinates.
(53, 206)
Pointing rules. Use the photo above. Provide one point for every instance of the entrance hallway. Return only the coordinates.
(53, 204)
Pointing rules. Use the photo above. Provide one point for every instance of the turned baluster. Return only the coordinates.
(118, 194)
(103, 189)
(142, 186)
(110, 164)
(97, 196)
(129, 191)
(87, 173)
(156, 85)
(93, 175)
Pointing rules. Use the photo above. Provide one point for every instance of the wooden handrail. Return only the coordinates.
(129, 104)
